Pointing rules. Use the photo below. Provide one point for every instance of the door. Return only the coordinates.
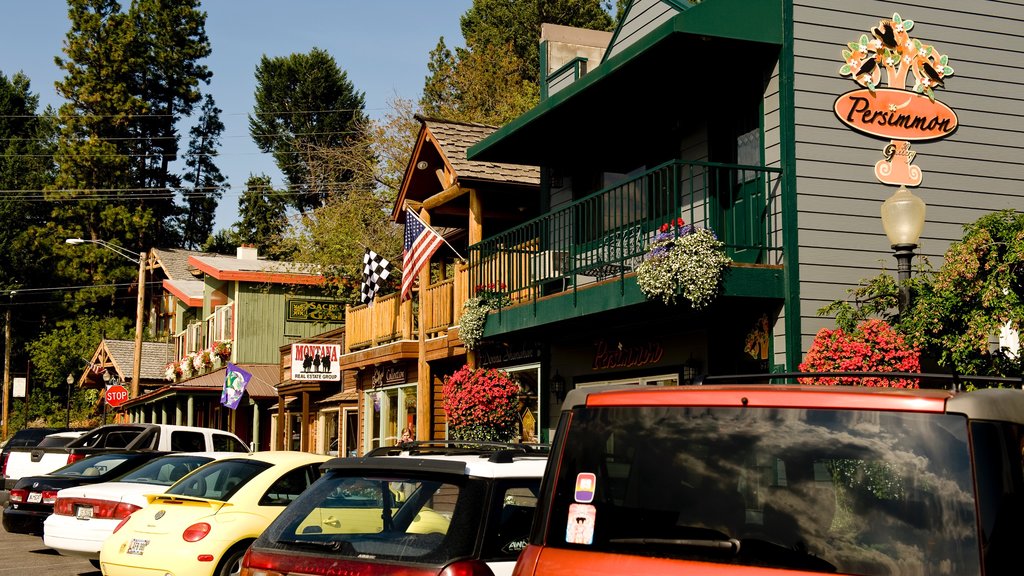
(739, 209)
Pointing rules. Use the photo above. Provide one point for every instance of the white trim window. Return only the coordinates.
(659, 380)
(389, 416)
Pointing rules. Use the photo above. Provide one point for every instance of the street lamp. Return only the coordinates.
(141, 259)
(903, 220)
(67, 413)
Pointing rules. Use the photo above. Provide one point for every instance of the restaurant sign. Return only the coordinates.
(316, 362)
(300, 310)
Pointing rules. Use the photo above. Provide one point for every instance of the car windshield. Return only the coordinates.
(98, 465)
(220, 480)
(165, 471)
(858, 492)
(402, 518)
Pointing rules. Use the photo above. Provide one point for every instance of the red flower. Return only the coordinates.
(873, 347)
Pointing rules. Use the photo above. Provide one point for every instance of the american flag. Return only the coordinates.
(420, 244)
(376, 269)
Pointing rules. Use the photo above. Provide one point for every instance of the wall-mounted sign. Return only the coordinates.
(895, 113)
(316, 362)
(501, 354)
(20, 384)
(388, 375)
(626, 355)
(300, 310)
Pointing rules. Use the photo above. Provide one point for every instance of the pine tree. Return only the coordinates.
(206, 179)
(304, 102)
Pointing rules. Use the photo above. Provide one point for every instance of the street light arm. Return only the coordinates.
(119, 250)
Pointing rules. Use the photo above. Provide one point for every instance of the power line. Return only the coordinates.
(153, 115)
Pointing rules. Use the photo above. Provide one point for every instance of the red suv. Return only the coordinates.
(758, 479)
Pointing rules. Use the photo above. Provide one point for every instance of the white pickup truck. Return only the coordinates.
(33, 461)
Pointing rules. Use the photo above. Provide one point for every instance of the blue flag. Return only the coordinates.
(235, 381)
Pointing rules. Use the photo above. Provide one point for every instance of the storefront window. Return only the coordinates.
(330, 437)
(529, 401)
(391, 416)
(295, 431)
(351, 423)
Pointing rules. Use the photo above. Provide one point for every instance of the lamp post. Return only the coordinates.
(67, 410)
(903, 219)
(139, 307)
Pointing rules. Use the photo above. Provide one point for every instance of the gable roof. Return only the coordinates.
(120, 355)
(439, 162)
(248, 270)
(174, 262)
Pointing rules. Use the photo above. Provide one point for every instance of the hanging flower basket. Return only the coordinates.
(474, 312)
(683, 261)
(481, 404)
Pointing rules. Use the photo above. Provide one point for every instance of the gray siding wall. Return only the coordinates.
(977, 170)
(641, 17)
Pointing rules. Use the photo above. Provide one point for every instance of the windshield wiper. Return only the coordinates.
(332, 545)
(730, 544)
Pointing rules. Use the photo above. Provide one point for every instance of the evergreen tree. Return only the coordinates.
(304, 102)
(262, 217)
(495, 78)
(206, 179)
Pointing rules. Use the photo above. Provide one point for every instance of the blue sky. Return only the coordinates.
(383, 45)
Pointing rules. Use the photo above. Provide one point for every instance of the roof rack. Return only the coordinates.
(495, 451)
(950, 381)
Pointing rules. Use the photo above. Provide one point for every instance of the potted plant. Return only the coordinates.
(474, 311)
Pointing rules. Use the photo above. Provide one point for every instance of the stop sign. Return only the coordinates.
(116, 395)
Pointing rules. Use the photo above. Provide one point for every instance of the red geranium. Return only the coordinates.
(873, 347)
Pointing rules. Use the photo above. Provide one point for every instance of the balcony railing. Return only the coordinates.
(388, 320)
(606, 234)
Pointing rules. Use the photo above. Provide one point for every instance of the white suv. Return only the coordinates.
(431, 508)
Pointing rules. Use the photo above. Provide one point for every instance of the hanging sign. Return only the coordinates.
(894, 112)
(316, 362)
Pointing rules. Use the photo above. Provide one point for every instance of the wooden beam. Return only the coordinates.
(444, 196)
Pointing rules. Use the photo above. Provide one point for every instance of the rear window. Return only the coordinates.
(220, 480)
(107, 438)
(225, 443)
(97, 465)
(187, 441)
(165, 471)
(830, 491)
(397, 517)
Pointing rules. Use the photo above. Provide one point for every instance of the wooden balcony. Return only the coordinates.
(390, 320)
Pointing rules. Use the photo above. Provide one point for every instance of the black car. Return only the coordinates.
(32, 498)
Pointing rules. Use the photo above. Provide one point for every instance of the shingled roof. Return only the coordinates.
(174, 261)
(155, 357)
(455, 137)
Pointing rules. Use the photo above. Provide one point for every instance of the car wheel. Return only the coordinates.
(231, 563)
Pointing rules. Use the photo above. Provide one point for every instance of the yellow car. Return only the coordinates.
(203, 524)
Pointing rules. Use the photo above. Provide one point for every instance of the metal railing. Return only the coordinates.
(606, 234)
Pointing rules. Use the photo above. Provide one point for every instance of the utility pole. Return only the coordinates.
(139, 310)
(7, 367)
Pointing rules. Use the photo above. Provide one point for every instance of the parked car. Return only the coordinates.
(420, 508)
(33, 497)
(26, 461)
(26, 437)
(819, 479)
(84, 516)
(203, 524)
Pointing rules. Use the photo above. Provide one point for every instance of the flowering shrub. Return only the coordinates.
(873, 347)
(474, 312)
(481, 404)
(683, 260)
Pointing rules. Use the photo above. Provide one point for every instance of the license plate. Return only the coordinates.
(137, 546)
(83, 512)
(35, 497)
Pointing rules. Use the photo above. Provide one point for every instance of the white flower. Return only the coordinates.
(899, 27)
(691, 266)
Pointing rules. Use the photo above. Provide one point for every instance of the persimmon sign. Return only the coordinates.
(895, 114)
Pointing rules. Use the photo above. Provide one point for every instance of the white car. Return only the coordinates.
(84, 516)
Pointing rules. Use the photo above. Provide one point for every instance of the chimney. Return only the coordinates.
(247, 252)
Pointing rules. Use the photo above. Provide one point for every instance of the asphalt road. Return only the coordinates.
(25, 554)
